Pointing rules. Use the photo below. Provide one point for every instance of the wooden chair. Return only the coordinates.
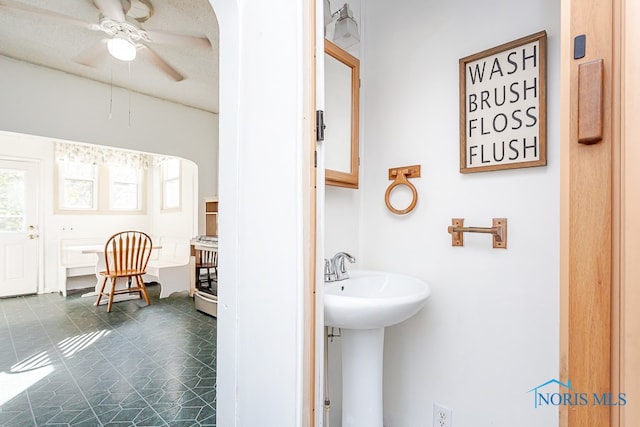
(126, 255)
(206, 261)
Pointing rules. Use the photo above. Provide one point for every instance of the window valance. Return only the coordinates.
(86, 153)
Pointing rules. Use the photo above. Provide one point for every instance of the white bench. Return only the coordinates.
(170, 265)
(74, 263)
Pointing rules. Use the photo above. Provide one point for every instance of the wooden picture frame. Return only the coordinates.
(342, 117)
(503, 97)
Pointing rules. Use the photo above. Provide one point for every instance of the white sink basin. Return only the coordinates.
(373, 299)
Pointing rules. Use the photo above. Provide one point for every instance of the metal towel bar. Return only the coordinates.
(498, 231)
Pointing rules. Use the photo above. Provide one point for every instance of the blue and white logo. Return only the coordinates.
(569, 396)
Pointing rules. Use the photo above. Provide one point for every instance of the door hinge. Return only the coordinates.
(320, 126)
(315, 158)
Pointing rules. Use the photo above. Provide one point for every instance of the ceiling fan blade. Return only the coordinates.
(112, 9)
(92, 55)
(147, 53)
(10, 4)
(176, 39)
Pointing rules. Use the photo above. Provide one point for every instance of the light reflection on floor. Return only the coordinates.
(14, 383)
(29, 371)
(64, 361)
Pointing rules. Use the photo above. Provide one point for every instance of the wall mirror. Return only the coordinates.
(341, 116)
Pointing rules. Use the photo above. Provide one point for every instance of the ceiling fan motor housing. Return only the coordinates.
(123, 29)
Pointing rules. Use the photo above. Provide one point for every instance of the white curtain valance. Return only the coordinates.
(69, 152)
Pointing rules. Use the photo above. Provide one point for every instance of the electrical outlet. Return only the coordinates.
(442, 416)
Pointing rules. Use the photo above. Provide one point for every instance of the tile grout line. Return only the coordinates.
(172, 308)
(62, 358)
(184, 352)
(185, 315)
(124, 377)
(157, 365)
(15, 352)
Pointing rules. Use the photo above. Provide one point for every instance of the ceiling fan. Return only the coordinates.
(120, 20)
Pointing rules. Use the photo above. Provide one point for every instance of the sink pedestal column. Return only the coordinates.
(362, 351)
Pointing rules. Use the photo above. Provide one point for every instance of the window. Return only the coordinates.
(170, 170)
(78, 186)
(12, 203)
(100, 180)
(100, 189)
(124, 187)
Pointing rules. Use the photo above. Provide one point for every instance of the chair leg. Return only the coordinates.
(104, 282)
(113, 289)
(143, 289)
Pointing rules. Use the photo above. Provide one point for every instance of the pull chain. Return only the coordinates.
(129, 64)
(111, 95)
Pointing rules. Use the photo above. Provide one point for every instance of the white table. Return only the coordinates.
(102, 266)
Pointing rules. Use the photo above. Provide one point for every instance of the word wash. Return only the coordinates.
(504, 95)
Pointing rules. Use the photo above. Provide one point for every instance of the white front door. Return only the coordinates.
(18, 228)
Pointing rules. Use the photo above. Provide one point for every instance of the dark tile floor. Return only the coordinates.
(64, 362)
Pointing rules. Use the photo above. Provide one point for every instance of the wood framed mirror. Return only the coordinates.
(342, 116)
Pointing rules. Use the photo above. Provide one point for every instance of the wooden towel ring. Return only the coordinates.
(399, 176)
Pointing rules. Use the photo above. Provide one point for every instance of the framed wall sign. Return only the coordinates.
(503, 110)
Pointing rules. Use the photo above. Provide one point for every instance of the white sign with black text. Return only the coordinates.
(503, 106)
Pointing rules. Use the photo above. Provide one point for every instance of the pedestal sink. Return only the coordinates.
(362, 306)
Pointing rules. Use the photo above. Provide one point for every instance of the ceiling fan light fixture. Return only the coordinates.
(122, 49)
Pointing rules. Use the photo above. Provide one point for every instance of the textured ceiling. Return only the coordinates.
(52, 43)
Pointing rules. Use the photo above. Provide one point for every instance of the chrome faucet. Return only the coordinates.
(335, 270)
(329, 274)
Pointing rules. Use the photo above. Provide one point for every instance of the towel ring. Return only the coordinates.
(401, 179)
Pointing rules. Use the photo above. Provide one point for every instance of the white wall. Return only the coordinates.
(41, 101)
(262, 180)
(263, 172)
(180, 223)
(489, 332)
(341, 203)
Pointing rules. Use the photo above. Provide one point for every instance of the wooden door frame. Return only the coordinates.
(311, 365)
(600, 218)
(586, 251)
(626, 350)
